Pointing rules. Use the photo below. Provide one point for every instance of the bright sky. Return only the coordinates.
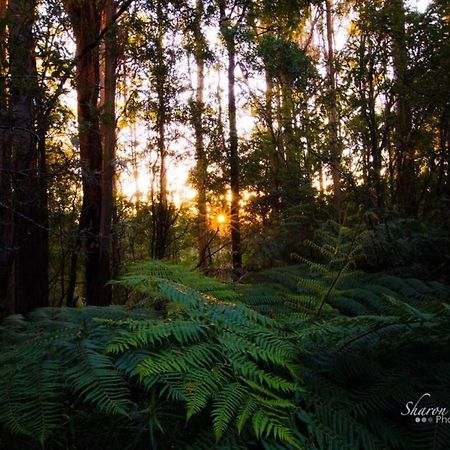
(421, 5)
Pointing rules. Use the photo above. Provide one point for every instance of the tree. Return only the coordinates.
(228, 32)
(367, 98)
(108, 131)
(405, 162)
(162, 210)
(85, 17)
(22, 152)
(335, 152)
(201, 174)
(6, 253)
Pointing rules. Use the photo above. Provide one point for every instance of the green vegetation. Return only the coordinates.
(224, 224)
(313, 356)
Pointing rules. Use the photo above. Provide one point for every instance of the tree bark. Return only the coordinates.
(108, 130)
(161, 207)
(274, 156)
(405, 164)
(366, 85)
(335, 153)
(28, 155)
(228, 34)
(85, 16)
(292, 178)
(200, 155)
(6, 219)
(3, 53)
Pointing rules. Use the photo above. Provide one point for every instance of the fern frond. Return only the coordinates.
(93, 376)
(227, 404)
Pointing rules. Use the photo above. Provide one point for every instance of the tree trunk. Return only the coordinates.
(275, 151)
(367, 84)
(28, 155)
(161, 207)
(201, 162)
(85, 16)
(292, 177)
(335, 154)
(108, 130)
(405, 165)
(228, 34)
(6, 218)
(375, 144)
(3, 54)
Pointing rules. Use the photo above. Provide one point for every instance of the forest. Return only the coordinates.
(225, 224)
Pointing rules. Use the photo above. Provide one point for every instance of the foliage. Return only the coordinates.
(144, 279)
(409, 249)
(207, 370)
(322, 354)
(360, 372)
(208, 362)
(332, 280)
(284, 60)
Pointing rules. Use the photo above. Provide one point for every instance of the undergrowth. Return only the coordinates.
(315, 356)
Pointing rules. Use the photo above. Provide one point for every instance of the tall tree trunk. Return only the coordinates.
(372, 141)
(85, 16)
(161, 208)
(447, 157)
(375, 144)
(275, 153)
(228, 34)
(6, 218)
(3, 54)
(290, 148)
(29, 200)
(108, 130)
(200, 155)
(443, 182)
(405, 165)
(335, 153)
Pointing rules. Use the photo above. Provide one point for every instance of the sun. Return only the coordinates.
(221, 219)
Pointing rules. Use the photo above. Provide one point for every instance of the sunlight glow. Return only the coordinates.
(135, 188)
(221, 219)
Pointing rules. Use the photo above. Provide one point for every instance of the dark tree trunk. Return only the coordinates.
(405, 164)
(335, 154)
(290, 148)
(274, 148)
(108, 130)
(162, 211)
(28, 155)
(366, 83)
(234, 168)
(228, 34)
(161, 208)
(200, 155)
(6, 218)
(86, 19)
(443, 182)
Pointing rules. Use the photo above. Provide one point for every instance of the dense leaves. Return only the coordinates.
(207, 369)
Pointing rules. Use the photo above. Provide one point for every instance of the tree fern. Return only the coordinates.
(211, 371)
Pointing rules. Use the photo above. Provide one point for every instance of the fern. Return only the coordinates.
(209, 370)
(368, 368)
(101, 358)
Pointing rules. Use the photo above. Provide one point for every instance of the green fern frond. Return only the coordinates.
(93, 376)
(227, 404)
